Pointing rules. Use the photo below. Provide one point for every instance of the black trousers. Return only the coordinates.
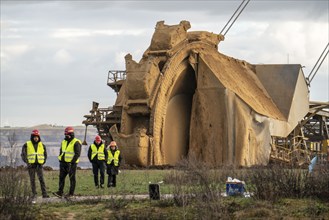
(37, 168)
(112, 181)
(98, 167)
(64, 170)
(112, 171)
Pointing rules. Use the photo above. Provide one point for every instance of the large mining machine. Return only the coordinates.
(184, 99)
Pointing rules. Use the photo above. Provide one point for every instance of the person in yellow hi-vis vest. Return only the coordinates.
(34, 154)
(113, 164)
(97, 155)
(68, 161)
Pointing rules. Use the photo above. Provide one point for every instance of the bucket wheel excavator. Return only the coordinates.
(184, 99)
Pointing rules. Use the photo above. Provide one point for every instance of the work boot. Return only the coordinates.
(45, 196)
(68, 195)
(58, 194)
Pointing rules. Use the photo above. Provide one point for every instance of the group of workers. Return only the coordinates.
(34, 154)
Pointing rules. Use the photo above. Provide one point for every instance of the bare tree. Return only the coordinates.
(15, 202)
(13, 153)
(1, 153)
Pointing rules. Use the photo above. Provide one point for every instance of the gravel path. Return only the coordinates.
(102, 197)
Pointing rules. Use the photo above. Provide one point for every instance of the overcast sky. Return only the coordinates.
(55, 55)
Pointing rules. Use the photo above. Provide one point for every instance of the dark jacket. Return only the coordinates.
(77, 150)
(95, 160)
(35, 144)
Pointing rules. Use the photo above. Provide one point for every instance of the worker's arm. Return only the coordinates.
(77, 151)
(106, 154)
(89, 153)
(45, 153)
(24, 153)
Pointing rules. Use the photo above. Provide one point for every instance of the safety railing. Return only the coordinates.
(115, 75)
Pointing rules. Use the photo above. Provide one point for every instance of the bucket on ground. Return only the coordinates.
(154, 191)
(234, 187)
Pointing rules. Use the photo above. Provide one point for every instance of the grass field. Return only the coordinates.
(128, 182)
(196, 196)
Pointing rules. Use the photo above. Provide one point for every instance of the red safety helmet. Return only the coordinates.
(35, 133)
(68, 130)
(98, 138)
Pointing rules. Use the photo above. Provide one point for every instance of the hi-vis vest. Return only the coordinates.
(114, 157)
(68, 150)
(32, 155)
(100, 153)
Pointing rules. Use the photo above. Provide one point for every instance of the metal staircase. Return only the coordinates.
(104, 118)
(297, 149)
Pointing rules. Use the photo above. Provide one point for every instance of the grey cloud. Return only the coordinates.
(64, 91)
